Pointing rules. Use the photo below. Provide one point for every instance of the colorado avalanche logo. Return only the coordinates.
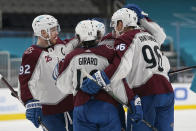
(29, 50)
(48, 58)
(109, 46)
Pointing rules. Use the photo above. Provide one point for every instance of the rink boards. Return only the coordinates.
(11, 108)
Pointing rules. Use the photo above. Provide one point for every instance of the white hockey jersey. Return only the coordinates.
(154, 29)
(35, 77)
(139, 59)
(90, 60)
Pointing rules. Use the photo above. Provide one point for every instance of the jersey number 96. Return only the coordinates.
(149, 55)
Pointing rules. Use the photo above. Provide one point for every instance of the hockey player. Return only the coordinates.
(138, 58)
(37, 90)
(154, 29)
(146, 24)
(93, 109)
(101, 29)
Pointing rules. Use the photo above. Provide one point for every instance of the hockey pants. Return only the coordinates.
(96, 115)
(57, 122)
(158, 111)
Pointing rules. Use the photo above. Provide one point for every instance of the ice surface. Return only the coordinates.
(184, 121)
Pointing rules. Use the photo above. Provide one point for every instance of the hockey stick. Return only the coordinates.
(118, 100)
(106, 89)
(15, 94)
(181, 70)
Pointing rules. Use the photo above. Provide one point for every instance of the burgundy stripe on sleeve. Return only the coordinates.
(29, 62)
(108, 36)
(125, 39)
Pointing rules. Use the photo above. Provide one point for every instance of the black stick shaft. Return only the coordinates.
(15, 94)
(181, 70)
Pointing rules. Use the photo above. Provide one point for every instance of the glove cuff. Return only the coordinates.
(100, 79)
(35, 104)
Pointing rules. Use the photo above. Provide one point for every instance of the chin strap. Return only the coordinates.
(49, 44)
(47, 39)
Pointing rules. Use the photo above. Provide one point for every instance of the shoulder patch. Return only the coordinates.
(110, 46)
(108, 43)
(29, 50)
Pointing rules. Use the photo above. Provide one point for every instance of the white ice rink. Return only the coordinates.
(184, 121)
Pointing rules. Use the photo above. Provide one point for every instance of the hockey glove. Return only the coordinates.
(34, 112)
(140, 13)
(91, 87)
(137, 113)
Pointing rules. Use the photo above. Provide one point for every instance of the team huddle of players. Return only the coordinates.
(82, 84)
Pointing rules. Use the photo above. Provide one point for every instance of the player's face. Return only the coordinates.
(118, 29)
(44, 34)
(119, 26)
(53, 35)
